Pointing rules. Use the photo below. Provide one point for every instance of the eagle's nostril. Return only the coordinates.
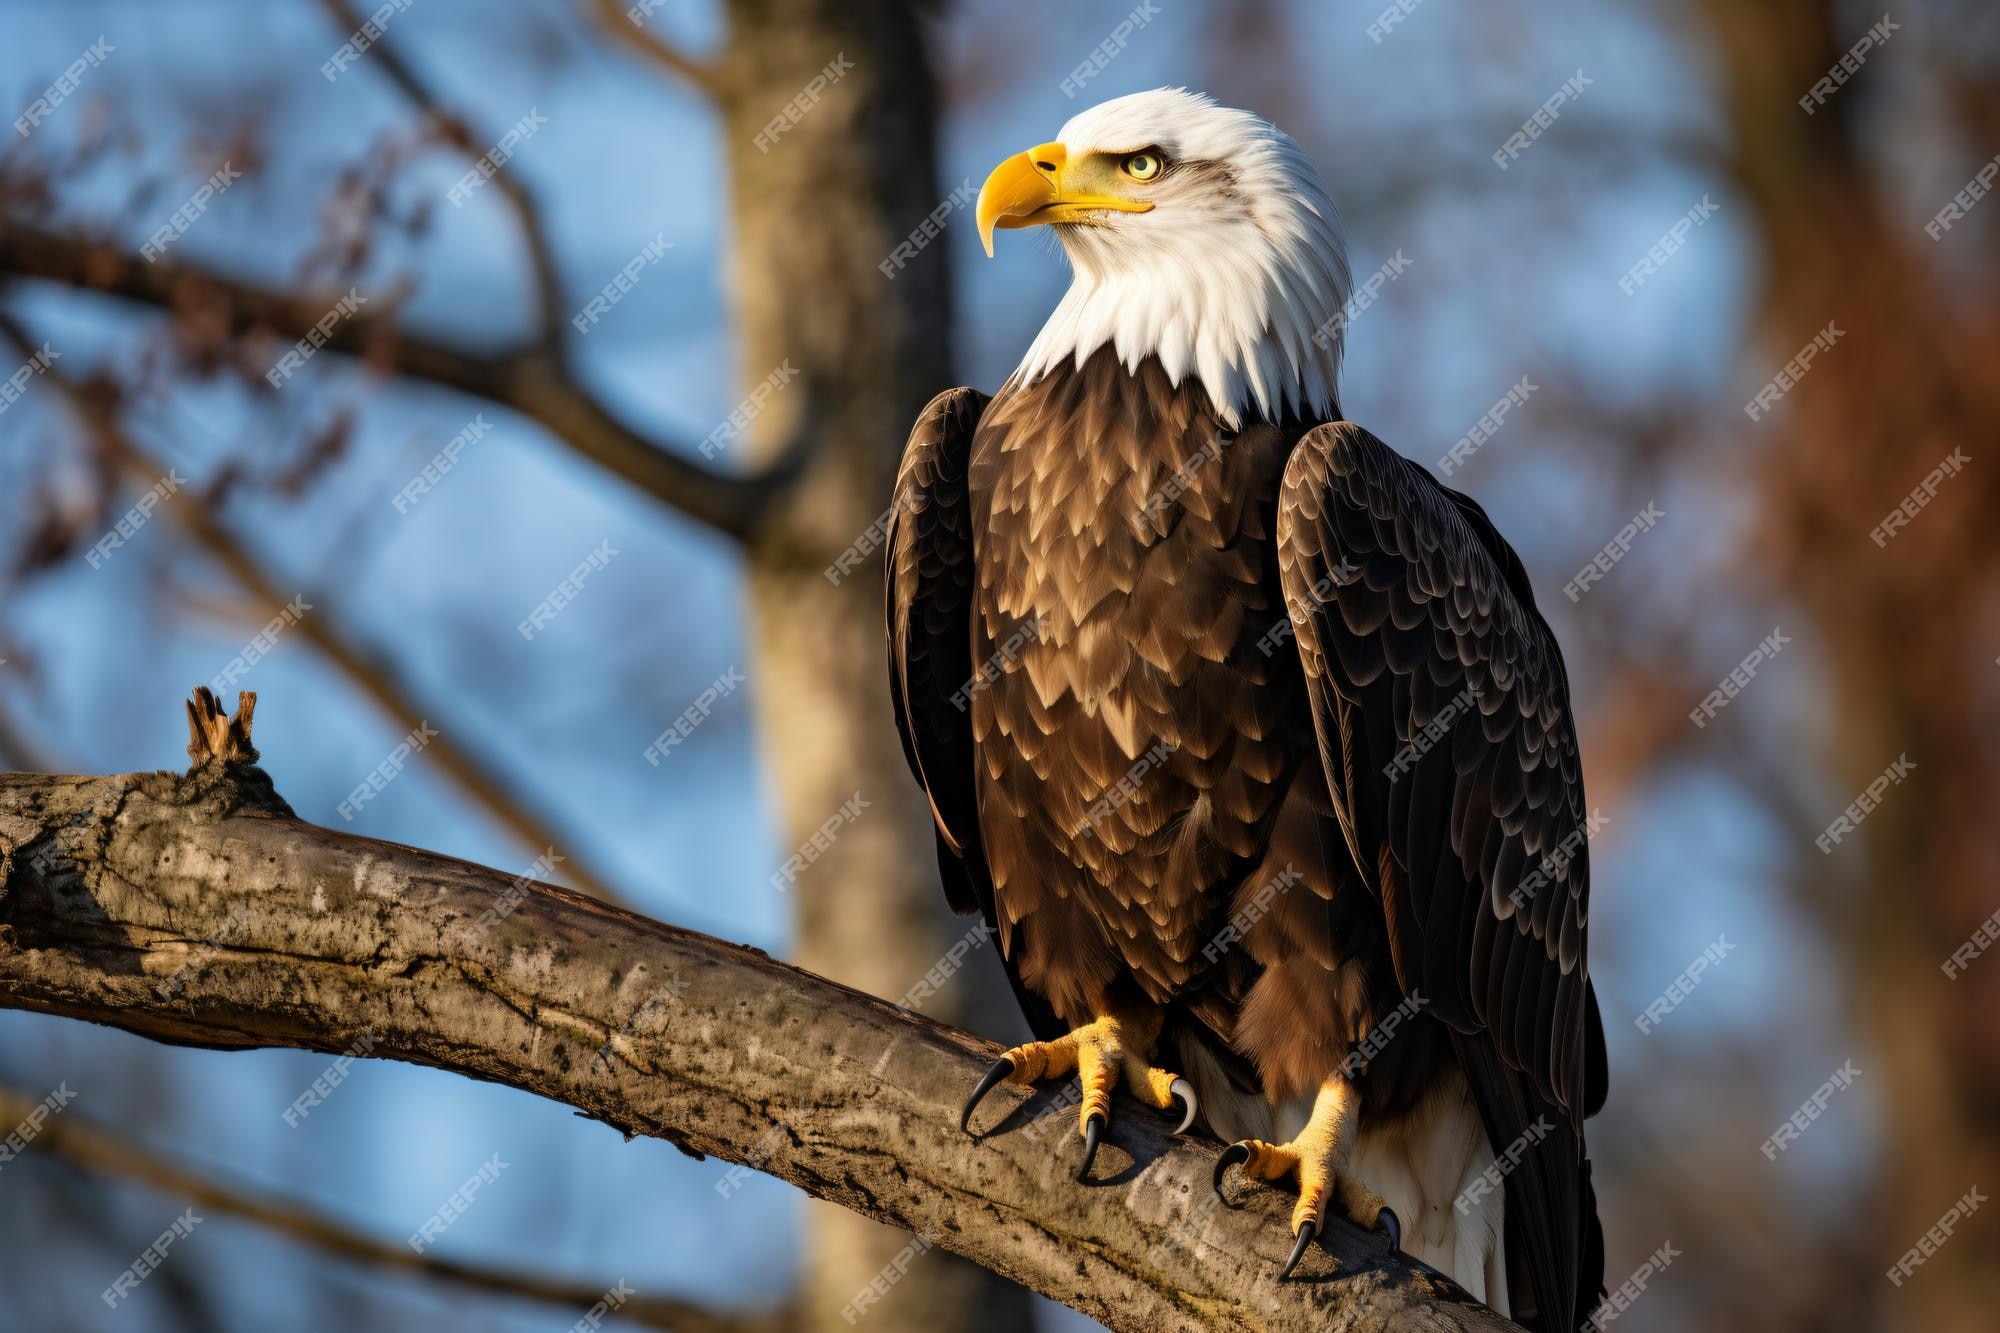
(1045, 166)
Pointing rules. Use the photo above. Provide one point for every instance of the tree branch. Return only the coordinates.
(529, 380)
(71, 1137)
(109, 886)
(611, 14)
(388, 57)
(491, 788)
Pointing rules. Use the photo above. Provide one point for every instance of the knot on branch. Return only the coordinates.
(223, 768)
(214, 735)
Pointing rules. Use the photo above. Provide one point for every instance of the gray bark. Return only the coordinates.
(122, 902)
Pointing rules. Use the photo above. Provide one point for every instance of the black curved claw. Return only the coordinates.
(1093, 1128)
(1000, 1070)
(1184, 1090)
(1307, 1231)
(1388, 1223)
(1233, 1155)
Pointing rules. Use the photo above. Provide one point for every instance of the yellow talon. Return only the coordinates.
(1318, 1158)
(1156, 1086)
(1104, 1053)
(1042, 1059)
(1271, 1161)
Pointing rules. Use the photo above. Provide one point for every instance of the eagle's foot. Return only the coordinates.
(1103, 1053)
(1317, 1160)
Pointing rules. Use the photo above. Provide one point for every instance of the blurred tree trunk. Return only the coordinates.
(822, 193)
(1908, 626)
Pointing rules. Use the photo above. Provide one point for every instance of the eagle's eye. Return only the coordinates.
(1141, 166)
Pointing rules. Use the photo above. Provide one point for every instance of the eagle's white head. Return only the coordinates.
(1199, 234)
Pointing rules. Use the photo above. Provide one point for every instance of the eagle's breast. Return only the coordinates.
(1137, 711)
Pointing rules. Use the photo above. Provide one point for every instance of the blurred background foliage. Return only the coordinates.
(1892, 650)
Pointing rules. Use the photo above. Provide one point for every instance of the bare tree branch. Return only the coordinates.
(387, 55)
(700, 74)
(110, 885)
(75, 1204)
(375, 678)
(72, 1138)
(529, 380)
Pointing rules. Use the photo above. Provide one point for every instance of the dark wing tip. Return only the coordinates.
(1404, 596)
(927, 557)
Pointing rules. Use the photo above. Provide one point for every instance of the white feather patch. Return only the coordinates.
(1237, 277)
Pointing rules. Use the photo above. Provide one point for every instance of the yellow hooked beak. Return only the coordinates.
(1027, 191)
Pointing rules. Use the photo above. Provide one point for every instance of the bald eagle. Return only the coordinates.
(1243, 732)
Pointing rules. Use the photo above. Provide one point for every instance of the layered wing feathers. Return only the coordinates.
(1444, 714)
(1444, 719)
(929, 555)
